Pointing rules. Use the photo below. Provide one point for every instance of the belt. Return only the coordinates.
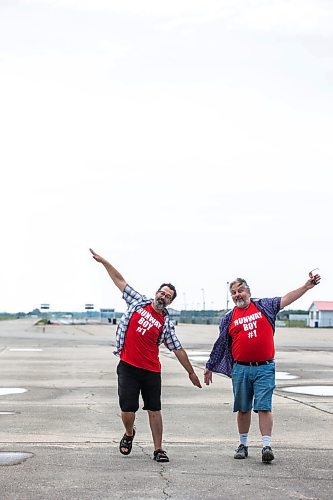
(254, 363)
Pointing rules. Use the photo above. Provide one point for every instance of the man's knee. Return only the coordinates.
(264, 413)
(154, 413)
(128, 406)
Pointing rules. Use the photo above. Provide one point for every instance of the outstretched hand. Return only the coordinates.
(95, 255)
(194, 379)
(115, 275)
(314, 279)
(290, 297)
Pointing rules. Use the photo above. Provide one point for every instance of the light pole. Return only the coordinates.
(227, 295)
(203, 299)
(45, 307)
(88, 307)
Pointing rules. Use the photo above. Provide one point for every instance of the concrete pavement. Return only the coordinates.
(68, 420)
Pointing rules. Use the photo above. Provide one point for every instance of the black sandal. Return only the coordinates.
(126, 442)
(160, 456)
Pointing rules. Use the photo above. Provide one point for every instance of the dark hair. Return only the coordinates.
(169, 285)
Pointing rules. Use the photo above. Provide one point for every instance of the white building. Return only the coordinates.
(320, 314)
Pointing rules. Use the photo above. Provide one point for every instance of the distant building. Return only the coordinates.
(174, 314)
(201, 317)
(108, 316)
(298, 317)
(320, 314)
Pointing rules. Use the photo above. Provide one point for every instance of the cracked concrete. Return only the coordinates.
(68, 420)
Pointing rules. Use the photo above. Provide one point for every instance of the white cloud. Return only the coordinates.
(141, 8)
(167, 153)
(288, 17)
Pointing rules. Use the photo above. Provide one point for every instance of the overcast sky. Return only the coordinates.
(186, 140)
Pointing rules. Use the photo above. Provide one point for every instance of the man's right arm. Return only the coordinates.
(219, 351)
(115, 275)
(290, 297)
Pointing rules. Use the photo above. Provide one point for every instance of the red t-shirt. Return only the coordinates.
(141, 347)
(252, 335)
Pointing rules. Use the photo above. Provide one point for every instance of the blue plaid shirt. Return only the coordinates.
(221, 360)
(135, 301)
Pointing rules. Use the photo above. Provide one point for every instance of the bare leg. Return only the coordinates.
(243, 421)
(156, 427)
(265, 422)
(266, 426)
(128, 418)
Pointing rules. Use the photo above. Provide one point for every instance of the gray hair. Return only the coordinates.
(240, 281)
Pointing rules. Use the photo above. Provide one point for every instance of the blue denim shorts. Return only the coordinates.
(253, 387)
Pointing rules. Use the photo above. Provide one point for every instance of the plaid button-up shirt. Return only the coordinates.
(135, 301)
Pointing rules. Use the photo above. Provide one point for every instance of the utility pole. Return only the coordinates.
(203, 299)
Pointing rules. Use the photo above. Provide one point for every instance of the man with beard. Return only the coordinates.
(245, 352)
(143, 327)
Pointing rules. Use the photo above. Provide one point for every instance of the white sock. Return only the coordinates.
(243, 438)
(266, 440)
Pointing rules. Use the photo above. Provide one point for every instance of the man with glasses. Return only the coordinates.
(144, 326)
(245, 352)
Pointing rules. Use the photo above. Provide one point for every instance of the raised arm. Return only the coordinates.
(115, 275)
(290, 297)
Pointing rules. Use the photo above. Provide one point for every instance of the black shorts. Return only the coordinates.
(132, 381)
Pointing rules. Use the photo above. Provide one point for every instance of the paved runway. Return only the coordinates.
(58, 405)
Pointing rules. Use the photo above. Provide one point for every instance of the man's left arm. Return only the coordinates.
(182, 357)
(290, 297)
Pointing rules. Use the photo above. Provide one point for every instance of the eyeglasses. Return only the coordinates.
(311, 273)
(314, 276)
(166, 295)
